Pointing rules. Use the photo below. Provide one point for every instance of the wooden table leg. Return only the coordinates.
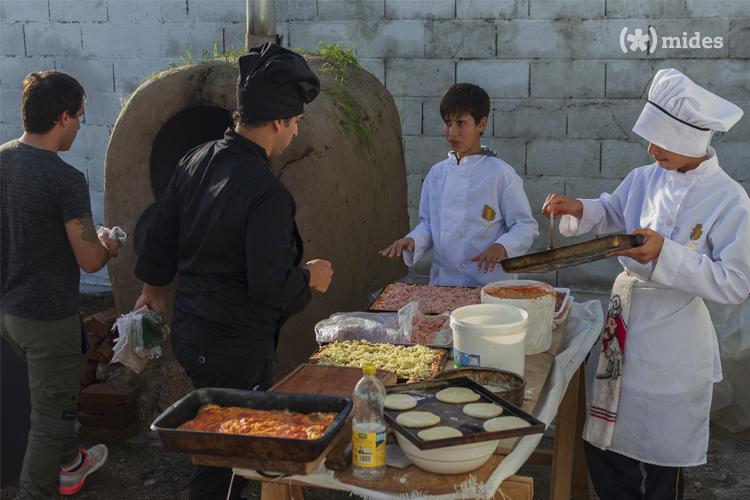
(580, 469)
(565, 441)
(280, 491)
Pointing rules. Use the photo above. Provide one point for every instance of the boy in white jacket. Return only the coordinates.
(473, 211)
(696, 223)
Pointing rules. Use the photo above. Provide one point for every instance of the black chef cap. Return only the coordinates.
(274, 84)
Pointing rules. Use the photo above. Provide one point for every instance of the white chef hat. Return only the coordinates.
(681, 116)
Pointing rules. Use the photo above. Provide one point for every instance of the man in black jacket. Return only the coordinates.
(226, 225)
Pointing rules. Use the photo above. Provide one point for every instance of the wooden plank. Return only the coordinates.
(331, 380)
(280, 491)
(516, 488)
(565, 442)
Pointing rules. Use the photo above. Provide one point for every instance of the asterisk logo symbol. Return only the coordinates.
(638, 40)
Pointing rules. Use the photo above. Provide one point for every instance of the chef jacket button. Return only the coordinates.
(201, 359)
(460, 266)
(669, 222)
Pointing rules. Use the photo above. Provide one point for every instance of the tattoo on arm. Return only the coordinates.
(88, 232)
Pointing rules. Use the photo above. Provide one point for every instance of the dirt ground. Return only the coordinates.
(139, 469)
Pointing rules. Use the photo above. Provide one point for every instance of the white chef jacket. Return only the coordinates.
(671, 356)
(465, 207)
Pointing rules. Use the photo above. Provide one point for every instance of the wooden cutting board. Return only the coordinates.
(331, 380)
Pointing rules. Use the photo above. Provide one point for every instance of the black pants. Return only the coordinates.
(617, 477)
(220, 370)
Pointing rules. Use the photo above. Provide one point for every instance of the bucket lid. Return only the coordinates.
(500, 318)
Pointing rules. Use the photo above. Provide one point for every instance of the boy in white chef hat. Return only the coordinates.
(659, 354)
(473, 211)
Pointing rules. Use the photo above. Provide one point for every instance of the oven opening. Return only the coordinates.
(187, 129)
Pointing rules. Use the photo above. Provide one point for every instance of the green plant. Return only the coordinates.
(336, 60)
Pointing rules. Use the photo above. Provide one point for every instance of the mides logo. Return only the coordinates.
(649, 42)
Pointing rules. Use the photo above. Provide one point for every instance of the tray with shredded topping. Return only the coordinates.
(412, 363)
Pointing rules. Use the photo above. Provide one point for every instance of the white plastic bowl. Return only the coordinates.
(450, 459)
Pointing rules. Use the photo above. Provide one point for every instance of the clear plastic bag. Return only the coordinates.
(409, 326)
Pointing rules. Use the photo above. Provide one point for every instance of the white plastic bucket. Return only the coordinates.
(541, 310)
(490, 335)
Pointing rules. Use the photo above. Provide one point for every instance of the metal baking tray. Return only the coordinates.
(372, 305)
(254, 447)
(571, 255)
(452, 415)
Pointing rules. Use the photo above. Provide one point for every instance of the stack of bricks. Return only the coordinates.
(104, 410)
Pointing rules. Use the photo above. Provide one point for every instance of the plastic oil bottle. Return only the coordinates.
(368, 427)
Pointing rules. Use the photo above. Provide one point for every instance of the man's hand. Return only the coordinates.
(487, 260)
(559, 205)
(112, 246)
(153, 297)
(321, 272)
(649, 251)
(397, 247)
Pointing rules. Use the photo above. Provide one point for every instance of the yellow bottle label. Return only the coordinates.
(368, 449)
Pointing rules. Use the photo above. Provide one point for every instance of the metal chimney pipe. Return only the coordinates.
(260, 23)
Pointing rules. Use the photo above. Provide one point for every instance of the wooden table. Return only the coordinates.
(569, 473)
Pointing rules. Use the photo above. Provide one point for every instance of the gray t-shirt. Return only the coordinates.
(39, 193)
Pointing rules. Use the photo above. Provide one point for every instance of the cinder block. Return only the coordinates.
(91, 144)
(415, 77)
(310, 36)
(727, 78)
(14, 69)
(511, 151)
(147, 11)
(92, 168)
(413, 217)
(102, 108)
(78, 10)
(460, 39)
(374, 66)
(629, 78)
(586, 187)
(52, 39)
(492, 9)
(346, 9)
(420, 9)
(734, 158)
(619, 158)
(10, 131)
(501, 79)
(421, 152)
(410, 111)
(233, 38)
(10, 106)
(414, 189)
(217, 11)
(12, 11)
(718, 8)
(432, 121)
(296, 10)
(529, 118)
(94, 74)
(123, 40)
(392, 39)
(538, 187)
(177, 39)
(603, 120)
(639, 9)
(563, 158)
(739, 39)
(12, 40)
(567, 79)
(567, 9)
(130, 73)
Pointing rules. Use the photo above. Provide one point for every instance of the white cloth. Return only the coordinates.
(672, 355)
(465, 207)
(681, 116)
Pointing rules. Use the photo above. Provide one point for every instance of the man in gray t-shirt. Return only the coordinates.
(46, 235)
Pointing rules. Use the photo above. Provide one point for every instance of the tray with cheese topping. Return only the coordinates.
(412, 363)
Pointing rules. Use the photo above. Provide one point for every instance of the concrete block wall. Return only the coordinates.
(564, 95)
